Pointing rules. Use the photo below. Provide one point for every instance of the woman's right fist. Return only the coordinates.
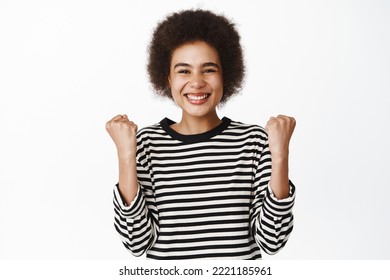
(124, 134)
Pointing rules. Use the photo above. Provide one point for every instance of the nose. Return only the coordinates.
(197, 81)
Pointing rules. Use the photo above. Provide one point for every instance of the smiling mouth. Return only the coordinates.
(197, 97)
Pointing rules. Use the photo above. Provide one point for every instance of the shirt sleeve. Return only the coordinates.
(271, 218)
(137, 223)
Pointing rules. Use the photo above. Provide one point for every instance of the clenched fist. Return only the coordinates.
(124, 134)
(279, 130)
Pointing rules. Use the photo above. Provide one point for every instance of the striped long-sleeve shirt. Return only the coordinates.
(204, 196)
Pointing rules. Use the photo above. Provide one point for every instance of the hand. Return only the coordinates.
(124, 134)
(280, 130)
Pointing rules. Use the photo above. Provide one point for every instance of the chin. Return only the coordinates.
(198, 113)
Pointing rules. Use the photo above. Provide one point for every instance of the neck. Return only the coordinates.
(196, 125)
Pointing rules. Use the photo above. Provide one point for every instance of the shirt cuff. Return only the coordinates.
(135, 207)
(279, 207)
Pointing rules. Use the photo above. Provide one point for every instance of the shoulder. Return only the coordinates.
(247, 129)
(151, 131)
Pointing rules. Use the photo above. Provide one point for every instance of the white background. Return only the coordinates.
(66, 67)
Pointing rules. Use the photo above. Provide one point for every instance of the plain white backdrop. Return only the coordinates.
(66, 67)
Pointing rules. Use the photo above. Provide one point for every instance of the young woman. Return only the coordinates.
(203, 187)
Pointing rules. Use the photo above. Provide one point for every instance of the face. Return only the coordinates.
(195, 79)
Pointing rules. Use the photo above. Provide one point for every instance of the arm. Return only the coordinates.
(124, 134)
(134, 204)
(272, 219)
(280, 130)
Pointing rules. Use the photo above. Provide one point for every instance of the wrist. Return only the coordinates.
(279, 157)
(127, 158)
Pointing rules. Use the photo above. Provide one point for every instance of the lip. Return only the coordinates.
(197, 98)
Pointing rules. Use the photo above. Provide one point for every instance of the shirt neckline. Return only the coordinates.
(193, 138)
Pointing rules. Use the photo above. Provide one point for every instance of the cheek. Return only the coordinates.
(177, 87)
(217, 83)
(178, 84)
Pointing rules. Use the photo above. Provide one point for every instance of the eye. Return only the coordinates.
(210, 70)
(183, 71)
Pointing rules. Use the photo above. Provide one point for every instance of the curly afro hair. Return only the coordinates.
(196, 25)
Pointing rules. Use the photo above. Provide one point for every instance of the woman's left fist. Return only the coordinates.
(279, 130)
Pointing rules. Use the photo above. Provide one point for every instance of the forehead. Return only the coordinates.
(197, 52)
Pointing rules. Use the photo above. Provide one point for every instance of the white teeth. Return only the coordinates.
(195, 97)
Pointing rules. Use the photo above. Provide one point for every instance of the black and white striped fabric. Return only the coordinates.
(204, 196)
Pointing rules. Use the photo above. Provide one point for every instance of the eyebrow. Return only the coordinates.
(206, 64)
